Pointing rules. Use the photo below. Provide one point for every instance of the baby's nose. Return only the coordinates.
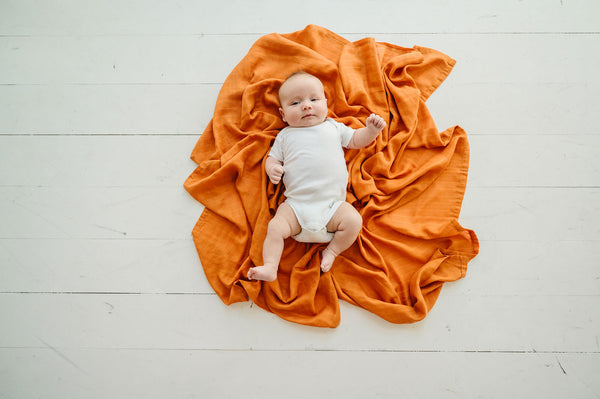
(307, 105)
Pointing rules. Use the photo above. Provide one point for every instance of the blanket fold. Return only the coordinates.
(408, 185)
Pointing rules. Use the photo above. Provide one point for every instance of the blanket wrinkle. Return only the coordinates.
(408, 185)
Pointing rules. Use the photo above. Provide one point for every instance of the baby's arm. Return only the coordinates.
(365, 136)
(274, 169)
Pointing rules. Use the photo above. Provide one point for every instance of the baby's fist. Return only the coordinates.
(275, 174)
(375, 122)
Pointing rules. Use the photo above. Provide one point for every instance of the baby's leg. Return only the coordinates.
(346, 223)
(283, 225)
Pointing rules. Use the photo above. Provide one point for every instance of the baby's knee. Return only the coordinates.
(356, 220)
(278, 228)
(353, 220)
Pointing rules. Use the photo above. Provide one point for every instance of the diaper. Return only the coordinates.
(313, 218)
(308, 235)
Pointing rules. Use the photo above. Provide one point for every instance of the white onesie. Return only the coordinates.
(315, 174)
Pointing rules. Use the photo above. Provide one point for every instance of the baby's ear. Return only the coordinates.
(282, 115)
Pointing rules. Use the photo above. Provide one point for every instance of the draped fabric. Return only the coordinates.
(408, 185)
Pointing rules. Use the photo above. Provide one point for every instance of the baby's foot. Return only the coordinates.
(328, 258)
(265, 273)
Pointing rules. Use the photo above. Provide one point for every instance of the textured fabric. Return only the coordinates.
(408, 185)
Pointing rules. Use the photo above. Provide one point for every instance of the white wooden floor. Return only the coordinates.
(102, 294)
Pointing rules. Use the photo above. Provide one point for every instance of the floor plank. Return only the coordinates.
(524, 323)
(125, 109)
(39, 161)
(544, 268)
(531, 214)
(497, 213)
(143, 374)
(107, 161)
(232, 17)
(105, 265)
(186, 109)
(179, 59)
(531, 267)
(97, 212)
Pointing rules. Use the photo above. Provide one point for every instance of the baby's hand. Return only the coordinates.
(275, 173)
(375, 122)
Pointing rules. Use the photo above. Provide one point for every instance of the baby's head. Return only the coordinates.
(302, 99)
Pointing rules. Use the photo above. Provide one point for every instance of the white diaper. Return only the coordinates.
(307, 235)
(313, 218)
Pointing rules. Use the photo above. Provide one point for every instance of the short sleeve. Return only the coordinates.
(277, 148)
(344, 131)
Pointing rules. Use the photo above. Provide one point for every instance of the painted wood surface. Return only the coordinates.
(102, 293)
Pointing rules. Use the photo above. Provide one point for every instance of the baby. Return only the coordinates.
(308, 155)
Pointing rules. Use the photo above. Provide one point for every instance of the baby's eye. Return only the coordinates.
(315, 99)
(295, 103)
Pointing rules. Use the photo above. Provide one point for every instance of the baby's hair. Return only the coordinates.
(299, 72)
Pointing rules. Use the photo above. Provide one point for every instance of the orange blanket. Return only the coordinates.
(408, 185)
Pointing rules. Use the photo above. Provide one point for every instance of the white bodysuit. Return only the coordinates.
(315, 174)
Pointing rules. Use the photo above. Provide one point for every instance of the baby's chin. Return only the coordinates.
(308, 122)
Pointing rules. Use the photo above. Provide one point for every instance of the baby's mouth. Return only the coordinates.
(308, 116)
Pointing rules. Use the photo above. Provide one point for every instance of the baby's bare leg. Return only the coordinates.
(283, 225)
(346, 223)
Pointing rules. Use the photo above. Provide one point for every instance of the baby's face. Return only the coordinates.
(303, 101)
